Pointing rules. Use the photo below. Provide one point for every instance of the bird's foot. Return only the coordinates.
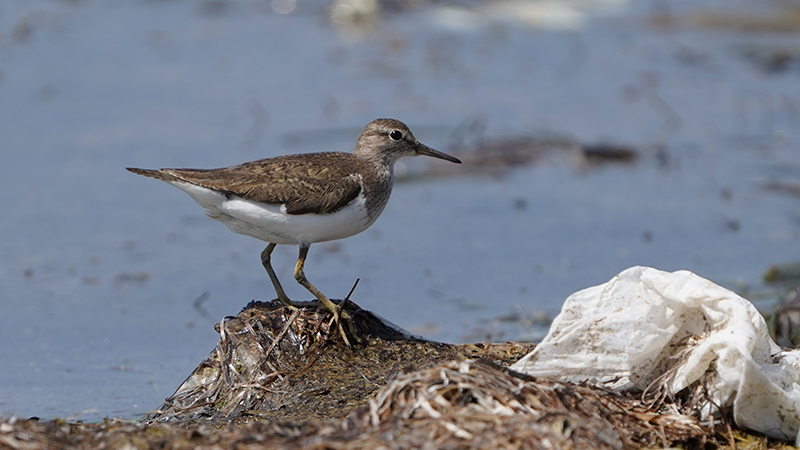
(341, 316)
(348, 319)
(343, 319)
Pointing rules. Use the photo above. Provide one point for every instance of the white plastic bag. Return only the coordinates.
(625, 331)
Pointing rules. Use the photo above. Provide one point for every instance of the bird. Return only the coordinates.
(306, 198)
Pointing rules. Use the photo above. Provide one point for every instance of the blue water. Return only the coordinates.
(101, 270)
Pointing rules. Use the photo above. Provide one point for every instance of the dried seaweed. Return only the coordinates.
(474, 404)
(281, 370)
(273, 361)
(469, 404)
(283, 378)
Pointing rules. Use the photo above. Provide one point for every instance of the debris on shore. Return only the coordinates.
(283, 378)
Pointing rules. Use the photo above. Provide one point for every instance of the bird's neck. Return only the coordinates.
(378, 178)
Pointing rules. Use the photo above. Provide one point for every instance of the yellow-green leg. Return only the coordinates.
(265, 261)
(300, 276)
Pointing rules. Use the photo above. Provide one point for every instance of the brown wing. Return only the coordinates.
(318, 183)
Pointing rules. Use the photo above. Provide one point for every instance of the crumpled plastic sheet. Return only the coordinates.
(629, 331)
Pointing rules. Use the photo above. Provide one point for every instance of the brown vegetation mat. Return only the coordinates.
(282, 378)
(473, 404)
(273, 362)
(461, 404)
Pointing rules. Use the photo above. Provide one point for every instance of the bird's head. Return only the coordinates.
(389, 140)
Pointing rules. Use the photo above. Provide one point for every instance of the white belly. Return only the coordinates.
(271, 223)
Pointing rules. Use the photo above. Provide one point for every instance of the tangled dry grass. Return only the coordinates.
(282, 379)
(469, 404)
(474, 404)
(273, 362)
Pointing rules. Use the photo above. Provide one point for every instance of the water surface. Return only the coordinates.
(111, 283)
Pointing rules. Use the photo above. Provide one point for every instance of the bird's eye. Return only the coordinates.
(396, 135)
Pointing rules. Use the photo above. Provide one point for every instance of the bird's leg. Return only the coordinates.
(265, 260)
(338, 313)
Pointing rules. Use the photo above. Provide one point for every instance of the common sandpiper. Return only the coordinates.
(305, 198)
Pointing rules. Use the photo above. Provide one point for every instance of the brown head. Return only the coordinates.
(389, 140)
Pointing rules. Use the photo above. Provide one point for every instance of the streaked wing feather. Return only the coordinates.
(301, 182)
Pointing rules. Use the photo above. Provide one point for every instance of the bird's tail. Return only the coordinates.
(158, 174)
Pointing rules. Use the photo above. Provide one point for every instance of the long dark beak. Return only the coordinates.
(422, 149)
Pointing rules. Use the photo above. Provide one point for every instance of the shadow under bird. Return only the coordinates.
(306, 198)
